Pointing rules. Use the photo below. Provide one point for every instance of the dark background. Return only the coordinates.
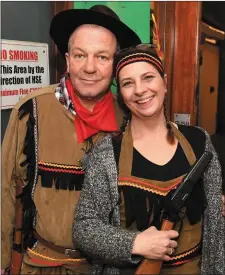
(213, 13)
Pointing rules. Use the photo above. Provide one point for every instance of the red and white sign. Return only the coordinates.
(24, 68)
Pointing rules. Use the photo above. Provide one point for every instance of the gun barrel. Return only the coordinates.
(199, 166)
(193, 176)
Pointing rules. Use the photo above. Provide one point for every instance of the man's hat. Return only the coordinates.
(65, 23)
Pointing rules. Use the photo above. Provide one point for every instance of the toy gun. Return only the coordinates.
(173, 207)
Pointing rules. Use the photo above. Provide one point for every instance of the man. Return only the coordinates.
(48, 133)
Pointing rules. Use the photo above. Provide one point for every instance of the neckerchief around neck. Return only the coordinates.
(87, 123)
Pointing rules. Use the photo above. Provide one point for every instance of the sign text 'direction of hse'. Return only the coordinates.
(24, 68)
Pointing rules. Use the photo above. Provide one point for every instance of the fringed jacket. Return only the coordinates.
(40, 147)
(97, 230)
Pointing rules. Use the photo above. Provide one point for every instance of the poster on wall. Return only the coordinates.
(24, 68)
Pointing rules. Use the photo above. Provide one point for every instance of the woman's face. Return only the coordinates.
(143, 89)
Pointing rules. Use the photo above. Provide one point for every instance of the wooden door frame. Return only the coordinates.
(164, 14)
(212, 51)
(207, 33)
(179, 26)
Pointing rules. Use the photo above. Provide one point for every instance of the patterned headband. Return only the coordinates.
(137, 57)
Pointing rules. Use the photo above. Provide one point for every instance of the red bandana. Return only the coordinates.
(88, 123)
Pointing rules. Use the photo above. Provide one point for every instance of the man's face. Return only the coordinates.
(90, 61)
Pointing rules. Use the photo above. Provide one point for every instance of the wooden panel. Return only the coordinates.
(58, 61)
(164, 13)
(209, 78)
(179, 26)
(186, 58)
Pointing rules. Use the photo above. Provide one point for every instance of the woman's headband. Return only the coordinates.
(142, 52)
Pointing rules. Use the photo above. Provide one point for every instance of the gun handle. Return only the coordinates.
(16, 263)
(167, 225)
(153, 266)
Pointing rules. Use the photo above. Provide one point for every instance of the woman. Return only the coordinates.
(130, 176)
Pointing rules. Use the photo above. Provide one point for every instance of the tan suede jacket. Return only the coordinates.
(57, 148)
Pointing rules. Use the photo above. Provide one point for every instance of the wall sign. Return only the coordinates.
(24, 68)
(182, 119)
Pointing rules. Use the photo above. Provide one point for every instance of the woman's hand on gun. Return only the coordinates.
(154, 244)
